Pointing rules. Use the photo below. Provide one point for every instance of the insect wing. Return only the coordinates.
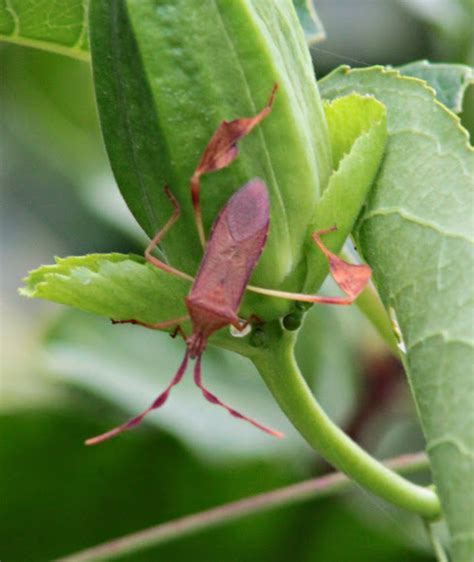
(236, 242)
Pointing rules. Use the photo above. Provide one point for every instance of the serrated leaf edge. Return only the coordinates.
(345, 69)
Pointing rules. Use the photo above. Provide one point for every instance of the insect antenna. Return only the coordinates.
(156, 404)
(214, 400)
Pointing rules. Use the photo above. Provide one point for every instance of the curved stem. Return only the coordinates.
(289, 495)
(278, 368)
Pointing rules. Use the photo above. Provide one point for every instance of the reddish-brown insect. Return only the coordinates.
(236, 242)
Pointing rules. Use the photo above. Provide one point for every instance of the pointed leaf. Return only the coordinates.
(417, 235)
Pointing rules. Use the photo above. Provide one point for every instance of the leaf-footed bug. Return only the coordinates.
(231, 254)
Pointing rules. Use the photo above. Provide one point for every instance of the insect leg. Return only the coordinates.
(351, 278)
(180, 331)
(214, 400)
(158, 237)
(241, 325)
(137, 419)
(157, 325)
(220, 152)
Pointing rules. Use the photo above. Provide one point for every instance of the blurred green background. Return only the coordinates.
(67, 376)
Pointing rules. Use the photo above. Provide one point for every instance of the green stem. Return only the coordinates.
(278, 368)
(184, 526)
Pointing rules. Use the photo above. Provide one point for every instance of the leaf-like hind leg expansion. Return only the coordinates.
(214, 400)
(220, 152)
(351, 278)
(137, 419)
(159, 236)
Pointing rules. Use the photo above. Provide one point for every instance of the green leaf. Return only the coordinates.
(59, 26)
(310, 22)
(159, 112)
(120, 287)
(117, 286)
(449, 80)
(358, 130)
(416, 233)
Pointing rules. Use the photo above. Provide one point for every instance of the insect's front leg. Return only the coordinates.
(159, 236)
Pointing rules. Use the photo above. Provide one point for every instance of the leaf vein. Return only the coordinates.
(441, 334)
(463, 537)
(14, 15)
(405, 215)
(436, 142)
(453, 441)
